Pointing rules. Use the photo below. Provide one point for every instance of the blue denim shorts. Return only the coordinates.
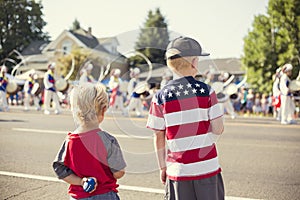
(107, 196)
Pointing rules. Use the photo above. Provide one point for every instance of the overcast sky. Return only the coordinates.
(219, 25)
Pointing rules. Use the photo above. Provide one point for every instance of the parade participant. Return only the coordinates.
(287, 104)
(28, 85)
(186, 117)
(167, 76)
(135, 101)
(86, 74)
(3, 84)
(227, 105)
(116, 96)
(276, 94)
(50, 91)
(90, 159)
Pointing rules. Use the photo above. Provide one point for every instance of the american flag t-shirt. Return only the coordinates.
(184, 109)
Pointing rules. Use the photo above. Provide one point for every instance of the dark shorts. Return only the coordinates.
(211, 188)
(106, 196)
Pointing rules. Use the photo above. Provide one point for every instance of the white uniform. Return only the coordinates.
(28, 86)
(135, 101)
(50, 93)
(114, 86)
(287, 104)
(3, 85)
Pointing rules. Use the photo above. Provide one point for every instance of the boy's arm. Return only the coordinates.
(73, 180)
(119, 174)
(89, 184)
(217, 126)
(115, 158)
(159, 144)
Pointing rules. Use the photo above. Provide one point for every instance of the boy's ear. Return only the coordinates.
(195, 62)
(103, 110)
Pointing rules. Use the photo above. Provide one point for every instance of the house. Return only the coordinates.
(102, 51)
(213, 66)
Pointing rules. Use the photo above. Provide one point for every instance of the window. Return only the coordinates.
(67, 46)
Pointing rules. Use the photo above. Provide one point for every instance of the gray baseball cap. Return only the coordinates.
(183, 47)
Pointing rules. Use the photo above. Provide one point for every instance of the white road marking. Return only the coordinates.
(65, 133)
(121, 187)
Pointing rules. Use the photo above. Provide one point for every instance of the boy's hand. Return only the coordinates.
(163, 175)
(89, 184)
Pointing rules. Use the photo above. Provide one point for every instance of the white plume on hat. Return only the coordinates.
(136, 70)
(52, 65)
(3, 69)
(35, 76)
(117, 72)
(226, 75)
(89, 66)
(287, 67)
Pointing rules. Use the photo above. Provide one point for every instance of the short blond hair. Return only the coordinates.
(180, 63)
(87, 101)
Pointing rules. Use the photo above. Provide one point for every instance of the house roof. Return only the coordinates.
(106, 40)
(87, 39)
(35, 47)
(230, 65)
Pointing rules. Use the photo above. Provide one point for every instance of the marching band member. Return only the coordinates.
(287, 104)
(3, 84)
(227, 105)
(86, 74)
(28, 92)
(116, 96)
(276, 94)
(135, 101)
(50, 91)
(167, 76)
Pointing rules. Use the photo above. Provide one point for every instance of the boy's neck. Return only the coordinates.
(87, 127)
(182, 73)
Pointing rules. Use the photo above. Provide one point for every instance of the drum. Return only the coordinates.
(222, 97)
(231, 89)
(141, 87)
(61, 85)
(36, 89)
(12, 87)
(218, 87)
(294, 85)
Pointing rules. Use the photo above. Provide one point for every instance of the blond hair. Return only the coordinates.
(180, 63)
(87, 101)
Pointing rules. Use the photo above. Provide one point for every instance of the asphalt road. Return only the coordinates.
(260, 158)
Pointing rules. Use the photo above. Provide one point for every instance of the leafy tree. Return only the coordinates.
(21, 22)
(273, 41)
(153, 39)
(79, 56)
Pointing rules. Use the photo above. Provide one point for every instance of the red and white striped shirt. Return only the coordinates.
(184, 109)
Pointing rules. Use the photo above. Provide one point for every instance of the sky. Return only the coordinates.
(219, 25)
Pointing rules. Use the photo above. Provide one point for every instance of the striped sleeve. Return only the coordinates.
(156, 119)
(215, 110)
(60, 169)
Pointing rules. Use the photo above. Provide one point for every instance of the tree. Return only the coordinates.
(153, 39)
(75, 26)
(79, 56)
(273, 41)
(21, 22)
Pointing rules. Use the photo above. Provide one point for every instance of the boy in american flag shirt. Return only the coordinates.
(187, 118)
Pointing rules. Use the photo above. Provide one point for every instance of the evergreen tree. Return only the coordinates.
(76, 25)
(21, 22)
(273, 41)
(153, 39)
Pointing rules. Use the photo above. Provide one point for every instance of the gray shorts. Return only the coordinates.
(211, 188)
